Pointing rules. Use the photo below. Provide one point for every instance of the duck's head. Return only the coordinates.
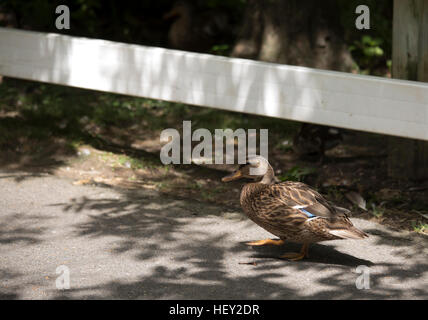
(256, 168)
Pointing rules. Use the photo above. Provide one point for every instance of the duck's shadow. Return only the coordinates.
(318, 253)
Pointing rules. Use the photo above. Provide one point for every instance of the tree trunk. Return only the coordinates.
(294, 32)
(301, 33)
(409, 158)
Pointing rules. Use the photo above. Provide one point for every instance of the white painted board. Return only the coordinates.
(367, 103)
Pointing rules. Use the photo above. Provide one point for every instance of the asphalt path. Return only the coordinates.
(138, 244)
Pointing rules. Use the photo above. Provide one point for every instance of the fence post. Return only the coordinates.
(408, 158)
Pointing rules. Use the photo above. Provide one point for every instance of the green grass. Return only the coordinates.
(297, 174)
(419, 226)
(135, 163)
(377, 211)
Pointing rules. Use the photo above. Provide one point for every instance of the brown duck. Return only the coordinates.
(290, 210)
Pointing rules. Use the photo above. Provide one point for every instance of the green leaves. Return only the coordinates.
(221, 49)
(297, 174)
(368, 46)
(368, 52)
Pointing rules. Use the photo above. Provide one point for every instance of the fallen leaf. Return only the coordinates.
(356, 199)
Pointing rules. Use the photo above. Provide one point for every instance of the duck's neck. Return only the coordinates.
(253, 188)
(249, 190)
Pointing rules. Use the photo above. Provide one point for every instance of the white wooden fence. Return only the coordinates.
(366, 103)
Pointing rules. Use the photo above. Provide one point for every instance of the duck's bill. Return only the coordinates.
(234, 176)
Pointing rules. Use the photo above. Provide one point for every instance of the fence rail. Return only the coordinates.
(366, 103)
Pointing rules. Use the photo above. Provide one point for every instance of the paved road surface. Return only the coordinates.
(122, 244)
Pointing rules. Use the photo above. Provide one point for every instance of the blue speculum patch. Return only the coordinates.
(310, 215)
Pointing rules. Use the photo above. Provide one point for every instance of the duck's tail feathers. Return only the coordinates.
(349, 233)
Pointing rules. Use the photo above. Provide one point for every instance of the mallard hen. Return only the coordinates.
(290, 210)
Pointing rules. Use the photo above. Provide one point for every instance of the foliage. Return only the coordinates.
(371, 49)
(369, 53)
(377, 211)
(419, 226)
(297, 174)
(221, 49)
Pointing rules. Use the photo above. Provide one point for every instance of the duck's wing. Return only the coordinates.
(295, 195)
(289, 206)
